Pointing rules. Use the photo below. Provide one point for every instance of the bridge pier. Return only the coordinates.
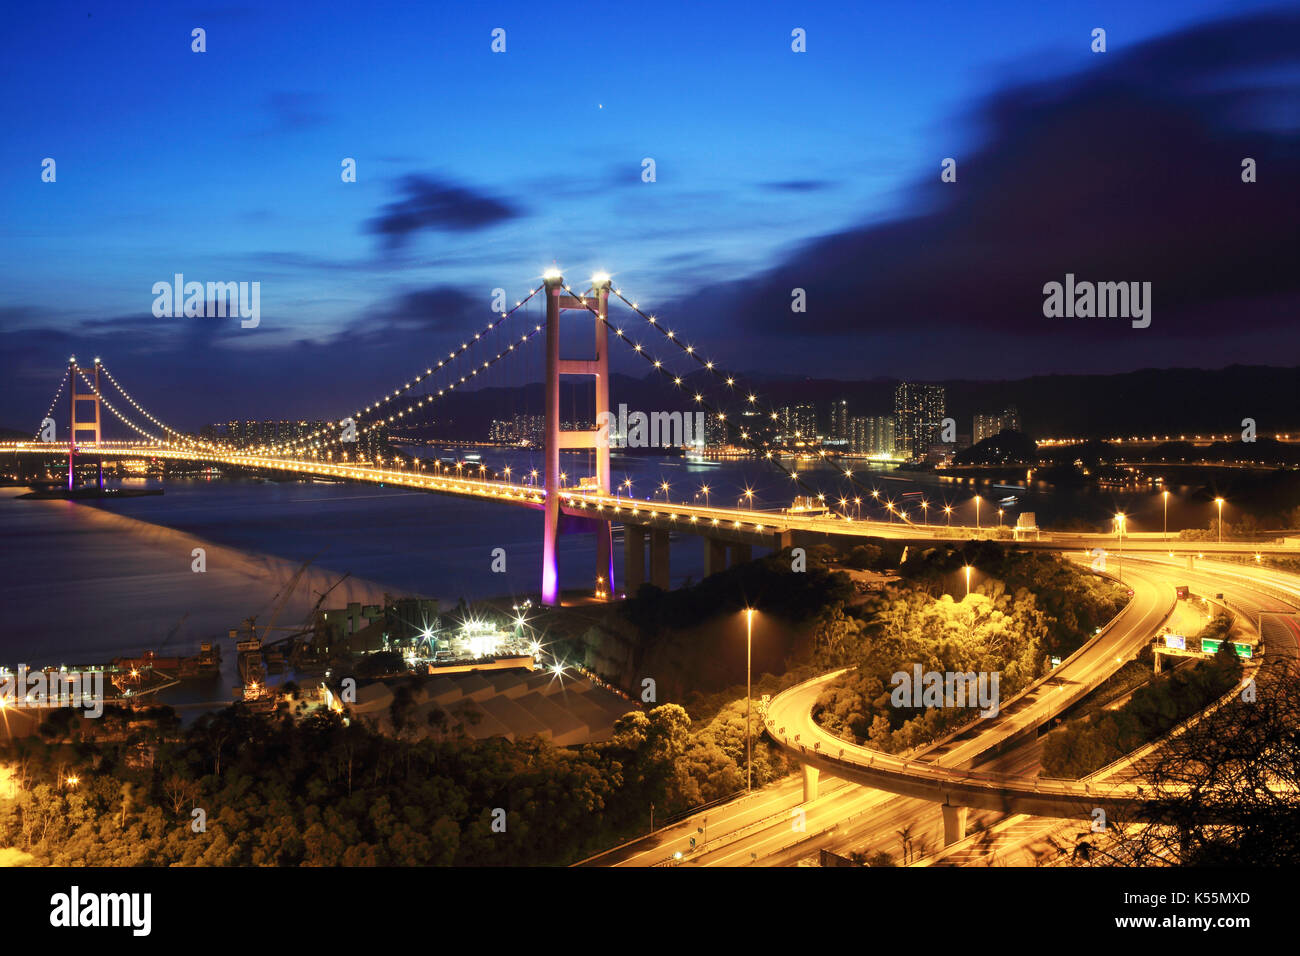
(1191, 562)
(633, 558)
(741, 553)
(605, 558)
(715, 556)
(659, 549)
(811, 775)
(954, 824)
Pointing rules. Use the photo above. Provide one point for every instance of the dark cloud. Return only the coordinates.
(437, 205)
(167, 364)
(1130, 171)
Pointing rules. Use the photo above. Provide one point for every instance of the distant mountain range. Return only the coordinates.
(1145, 402)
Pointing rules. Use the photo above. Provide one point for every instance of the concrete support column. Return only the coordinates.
(741, 553)
(659, 559)
(810, 777)
(1191, 562)
(633, 558)
(715, 556)
(605, 558)
(954, 824)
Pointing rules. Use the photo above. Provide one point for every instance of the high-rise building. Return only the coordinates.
(858, 435)
(839, 424)
(883, 435)
(798, 423)
(986, 426)
(918, 418)
(871, 435)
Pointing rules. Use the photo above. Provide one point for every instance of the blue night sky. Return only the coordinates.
(478, 170)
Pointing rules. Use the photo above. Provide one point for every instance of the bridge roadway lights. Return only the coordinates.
(810, 776)
(954, 824)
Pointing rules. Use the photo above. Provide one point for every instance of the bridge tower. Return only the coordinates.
(94, 425)
(556, 302)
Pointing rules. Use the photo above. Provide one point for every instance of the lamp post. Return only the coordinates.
(1120, 519)
(749, 643)
(1165, 495)
(947, 510)
(977, 512)
(1219, 502)
(967, 569)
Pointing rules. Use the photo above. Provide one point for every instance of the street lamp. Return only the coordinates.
(947, 509)
(967, 569)
(1120, 519)
(977, 512)
(705, 490)
(925, 511)
(1219, 502)
(664, 488)
(1165, 495)
(749, 643)
(999, 517)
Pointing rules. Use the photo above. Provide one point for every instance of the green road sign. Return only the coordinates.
(1212, 647)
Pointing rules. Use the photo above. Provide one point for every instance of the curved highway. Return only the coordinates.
(939, 773)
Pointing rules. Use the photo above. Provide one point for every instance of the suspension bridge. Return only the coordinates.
(593, 505)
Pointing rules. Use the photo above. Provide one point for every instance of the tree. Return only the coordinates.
(1224, 790)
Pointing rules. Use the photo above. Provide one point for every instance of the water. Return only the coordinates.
(82, 582)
